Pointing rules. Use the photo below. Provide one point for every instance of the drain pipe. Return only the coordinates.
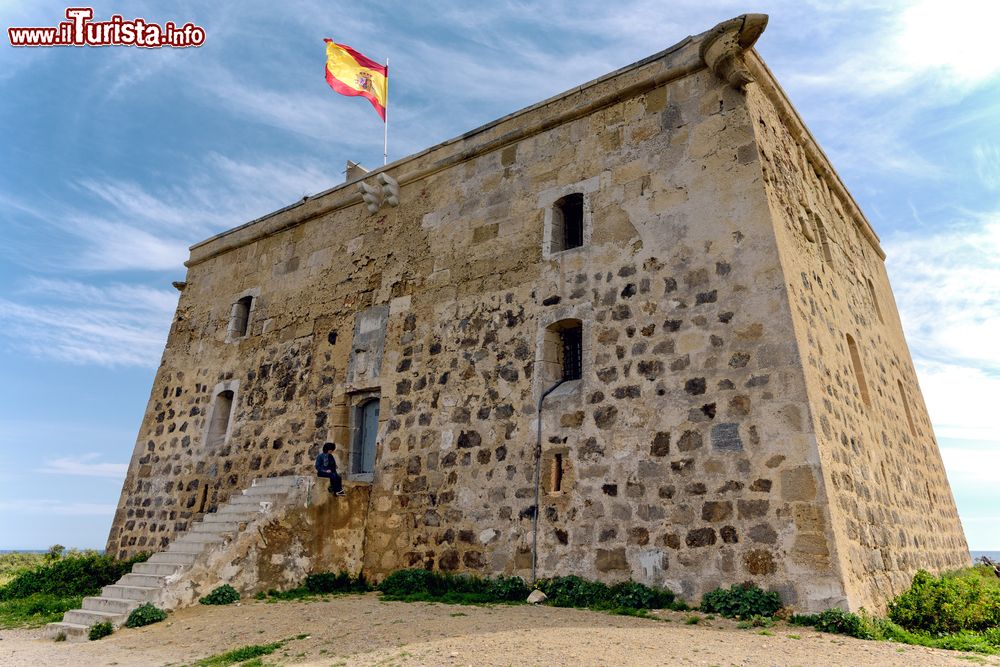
(538, 482)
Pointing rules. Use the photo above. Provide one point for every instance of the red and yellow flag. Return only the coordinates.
(350, 73)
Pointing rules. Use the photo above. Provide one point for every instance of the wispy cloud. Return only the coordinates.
(124, 225)
(115, 325)
(85, 465)
(987, 159)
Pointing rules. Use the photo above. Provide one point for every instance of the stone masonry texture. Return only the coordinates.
(720, 432)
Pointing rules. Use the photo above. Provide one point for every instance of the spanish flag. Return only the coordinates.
(350, 73)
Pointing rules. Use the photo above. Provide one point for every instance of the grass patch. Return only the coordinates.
(14, 563)
(36, 609)
(242, 654)
(80, 574)
(40, 588)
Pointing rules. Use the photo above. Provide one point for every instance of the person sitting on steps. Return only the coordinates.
(326, 466)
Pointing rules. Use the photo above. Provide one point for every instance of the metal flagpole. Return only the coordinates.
(385, 145)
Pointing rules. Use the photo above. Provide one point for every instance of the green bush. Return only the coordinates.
(100, 631)
(224, 594)
(340, 582)
(574, 591)
(73, 575)
(964, 600)
(145, 614)
(741, 601)
(509, 589)
(840, 622)
(409, 582)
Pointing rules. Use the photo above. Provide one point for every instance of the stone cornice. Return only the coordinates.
(723, 46)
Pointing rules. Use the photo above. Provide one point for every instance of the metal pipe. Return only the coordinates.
(538, 482)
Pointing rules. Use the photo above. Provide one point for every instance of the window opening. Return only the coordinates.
(859, 372)
(871, 290)
(567, 223)
(572, 352)
(906, 408)
(363, 456)
(220, 418)
(557, 473)
(824, 242)
(239, 324)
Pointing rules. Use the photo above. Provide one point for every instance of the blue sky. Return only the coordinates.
(114, 160)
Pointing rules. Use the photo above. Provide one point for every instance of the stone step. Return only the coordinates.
(216, 527)
(228, 514)
(71, 631)
(281, 480)
(269, 490)
(155, 568)
(156, 581)
(110, 605)
(174, 557)
(89, 618)
(199, 540)
(255, 499)
(130, 591)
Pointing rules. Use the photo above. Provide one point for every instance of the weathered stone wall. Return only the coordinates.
(891, 503)
(689, 445)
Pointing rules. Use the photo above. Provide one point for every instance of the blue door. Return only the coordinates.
(368, 423)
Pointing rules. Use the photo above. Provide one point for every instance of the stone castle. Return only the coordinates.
(669, 248)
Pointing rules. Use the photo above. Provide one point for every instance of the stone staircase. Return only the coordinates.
(150, 581)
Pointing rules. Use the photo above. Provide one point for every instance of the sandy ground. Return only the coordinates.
(362, 630)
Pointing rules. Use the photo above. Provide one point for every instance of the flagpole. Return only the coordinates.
(385, 137)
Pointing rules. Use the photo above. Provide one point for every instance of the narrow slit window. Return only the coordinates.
(906, 408)
(239, 323)
(567, 223)
(824, 242)
(555, 483)
(871, 291)
(221, 414)
(204, 498)
(859, 371)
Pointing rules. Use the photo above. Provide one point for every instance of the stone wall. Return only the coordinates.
(689, 446)
(882, 471)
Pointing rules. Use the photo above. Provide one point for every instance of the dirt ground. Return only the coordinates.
(362, 630)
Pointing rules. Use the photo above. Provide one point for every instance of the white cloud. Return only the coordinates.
(947, 288)
(85, 465)
(51, 507)
(943, 50)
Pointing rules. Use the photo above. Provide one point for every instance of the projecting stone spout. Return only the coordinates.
(723, 47)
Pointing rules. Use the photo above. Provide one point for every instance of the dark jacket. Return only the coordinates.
(326, 465)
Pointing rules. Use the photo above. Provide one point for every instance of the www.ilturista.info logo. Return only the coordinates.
(79, 30)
